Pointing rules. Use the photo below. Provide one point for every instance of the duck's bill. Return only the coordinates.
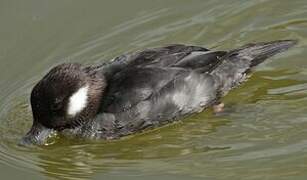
(38, 135)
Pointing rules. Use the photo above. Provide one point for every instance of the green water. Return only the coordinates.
(261, 135)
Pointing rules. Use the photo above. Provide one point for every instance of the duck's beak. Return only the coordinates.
(37, 135)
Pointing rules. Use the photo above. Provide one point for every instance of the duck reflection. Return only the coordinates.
(69, 158)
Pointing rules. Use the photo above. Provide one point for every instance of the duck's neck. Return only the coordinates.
(97, 86)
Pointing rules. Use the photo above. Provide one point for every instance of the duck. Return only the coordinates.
(138, 91)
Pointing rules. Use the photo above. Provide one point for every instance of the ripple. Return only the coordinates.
(261, 133)
(269, 152)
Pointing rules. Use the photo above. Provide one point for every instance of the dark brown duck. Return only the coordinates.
(138, 91)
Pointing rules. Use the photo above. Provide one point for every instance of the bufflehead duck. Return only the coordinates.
(138, 91)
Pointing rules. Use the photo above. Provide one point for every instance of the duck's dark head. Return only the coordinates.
(68, 96)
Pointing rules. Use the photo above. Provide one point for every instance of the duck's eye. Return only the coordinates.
(56, 105)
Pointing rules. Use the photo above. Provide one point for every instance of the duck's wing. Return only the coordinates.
(145, 97)
(190, 57)
(162, 56)
(133, 85)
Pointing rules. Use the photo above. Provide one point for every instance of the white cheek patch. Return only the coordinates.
(78, 101)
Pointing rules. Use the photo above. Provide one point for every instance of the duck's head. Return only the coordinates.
(68, 96)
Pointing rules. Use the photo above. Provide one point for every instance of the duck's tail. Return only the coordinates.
(237, 63)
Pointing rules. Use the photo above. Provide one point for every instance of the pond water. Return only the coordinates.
(261, 135)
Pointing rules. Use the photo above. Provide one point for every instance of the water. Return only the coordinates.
(261, 135)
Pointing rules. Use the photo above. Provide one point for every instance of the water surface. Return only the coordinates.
(261, 135)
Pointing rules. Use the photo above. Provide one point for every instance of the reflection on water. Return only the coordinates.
(261, 133)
